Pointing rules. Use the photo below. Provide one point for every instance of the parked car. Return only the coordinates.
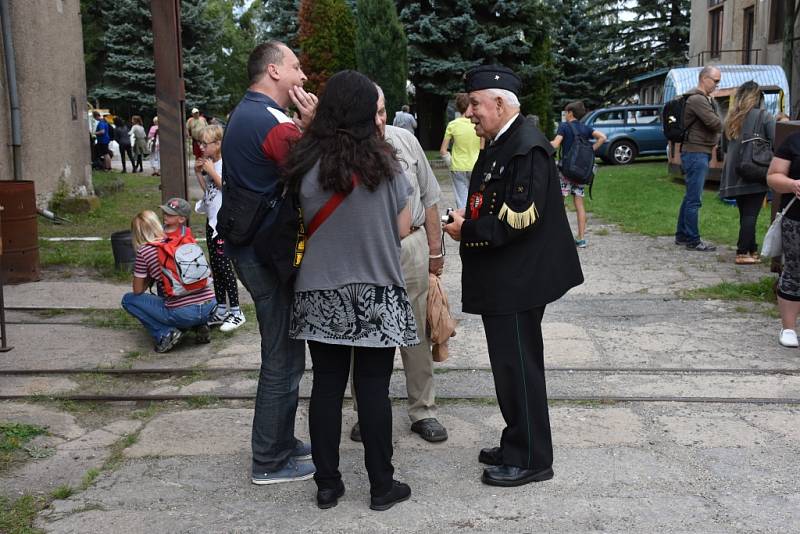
(631, 130)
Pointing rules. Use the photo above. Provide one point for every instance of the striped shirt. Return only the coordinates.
(148, 266)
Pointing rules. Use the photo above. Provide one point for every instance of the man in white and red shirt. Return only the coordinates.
(167, 317)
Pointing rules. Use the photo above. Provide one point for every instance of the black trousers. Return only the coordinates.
(372, 370)
(516, 353)
(123, 150)
(221, 270)
(749, 206)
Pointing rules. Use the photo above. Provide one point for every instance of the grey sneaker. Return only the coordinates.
(702, 246)
(291, 472)
(302, 451)
(169, 341)
(215, 318)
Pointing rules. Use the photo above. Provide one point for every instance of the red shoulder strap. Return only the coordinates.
(329, 207)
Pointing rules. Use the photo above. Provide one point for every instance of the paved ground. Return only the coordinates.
(724, 459)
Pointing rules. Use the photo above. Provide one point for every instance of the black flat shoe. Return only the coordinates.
(430, 429)
(355, 433)
(491, 456)
(400, 492)
(328, 498)
(511, 475)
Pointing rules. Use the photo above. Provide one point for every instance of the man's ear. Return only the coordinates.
(272, 71)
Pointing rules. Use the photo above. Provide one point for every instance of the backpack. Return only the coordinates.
(184, 268)
(672, 119)
(755, 154)
(577, 165)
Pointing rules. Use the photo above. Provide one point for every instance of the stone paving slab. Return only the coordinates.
(619, 468)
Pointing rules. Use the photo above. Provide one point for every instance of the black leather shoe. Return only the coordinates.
(328, 498)
(355, 433)
(400, 492)
(491, 456)
(511, 475)
(430, 429)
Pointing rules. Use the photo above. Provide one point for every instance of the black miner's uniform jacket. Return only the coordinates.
(519, 252)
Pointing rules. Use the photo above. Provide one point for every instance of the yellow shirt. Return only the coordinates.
(466, 144)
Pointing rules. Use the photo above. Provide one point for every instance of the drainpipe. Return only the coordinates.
(13, 95)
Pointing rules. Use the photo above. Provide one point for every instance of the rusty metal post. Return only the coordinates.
(170, 96)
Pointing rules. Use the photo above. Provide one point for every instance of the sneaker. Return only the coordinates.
(702, 246)
(302, 451)
(681, 242)
(232, 322)
(202, 334)
(169, 340)
(215, 318)
(788, 338)
(580, 243)
(400, 492)
(291, 472)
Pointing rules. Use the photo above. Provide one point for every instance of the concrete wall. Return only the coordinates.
(48, 47)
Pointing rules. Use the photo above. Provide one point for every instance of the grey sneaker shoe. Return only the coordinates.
(291, 472)
(702, 246)
(169, 341)
(302, 451)
(215, 318)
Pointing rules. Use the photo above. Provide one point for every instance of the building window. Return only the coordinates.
(748, 24)
(712, 3)
(715, 31)
(776, 18)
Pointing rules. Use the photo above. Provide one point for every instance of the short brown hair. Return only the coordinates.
(462, 102)
(211, 133)
(577, 108)
(265, 54)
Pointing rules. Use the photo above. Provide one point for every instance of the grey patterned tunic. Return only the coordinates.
(362, 315)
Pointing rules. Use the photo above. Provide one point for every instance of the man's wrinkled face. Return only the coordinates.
(711, 81)
(380, 116)
(485, 111)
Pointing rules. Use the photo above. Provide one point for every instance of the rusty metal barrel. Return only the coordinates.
(19, 231)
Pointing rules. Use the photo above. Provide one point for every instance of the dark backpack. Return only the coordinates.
(672, 119)
(577, 165)
(755, 154)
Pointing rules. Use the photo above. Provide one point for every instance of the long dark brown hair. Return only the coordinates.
(344, 138)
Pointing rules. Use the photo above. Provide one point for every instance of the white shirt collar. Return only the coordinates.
(504, 128)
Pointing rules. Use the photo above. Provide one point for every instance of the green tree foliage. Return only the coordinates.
(94, 54)
(327, 40)
(278, 20)
(381, 50)
(579, 55)
(447, 38)
(127, 83)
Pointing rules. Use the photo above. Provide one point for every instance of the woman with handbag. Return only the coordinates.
(139, 143)
(784, 177)
(747, 122)
(350, 293)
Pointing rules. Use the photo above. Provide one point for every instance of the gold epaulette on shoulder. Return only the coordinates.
(518, 219)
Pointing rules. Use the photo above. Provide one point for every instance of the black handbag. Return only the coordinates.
(242, 213)
(281, 241)
(755, 154)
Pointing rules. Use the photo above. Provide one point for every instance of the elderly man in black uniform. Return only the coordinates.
(518, 255)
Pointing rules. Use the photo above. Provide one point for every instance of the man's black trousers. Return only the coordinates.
(516, 353)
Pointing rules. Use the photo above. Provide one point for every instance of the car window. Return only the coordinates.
(608, 118)
(644, 116)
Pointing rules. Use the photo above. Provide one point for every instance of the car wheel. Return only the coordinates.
(622, 152)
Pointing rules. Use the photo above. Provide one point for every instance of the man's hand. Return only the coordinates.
(436, 265)
(306, 104)
(453, 229)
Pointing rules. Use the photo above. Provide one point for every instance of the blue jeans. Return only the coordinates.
(282, 361)
(460, 186)
(160, 320)
(695, 167)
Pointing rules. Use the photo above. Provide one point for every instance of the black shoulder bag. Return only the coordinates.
(755, 154)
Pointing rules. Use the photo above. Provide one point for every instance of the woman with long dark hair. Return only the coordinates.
(745, 115)
(350, 294)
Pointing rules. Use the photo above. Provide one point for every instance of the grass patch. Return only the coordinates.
(62, 492)
(761, 291)
(201, 401)
(116, 318)
(148, 412)
(89, 477)
(116, 457)
(643, 198)
(16, 517)
(13, 436)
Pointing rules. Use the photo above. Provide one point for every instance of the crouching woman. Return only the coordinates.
(165, 317)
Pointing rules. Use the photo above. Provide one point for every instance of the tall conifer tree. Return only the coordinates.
(381, 50)
(326, 39)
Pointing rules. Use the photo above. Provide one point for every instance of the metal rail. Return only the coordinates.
(441, 370)
(558, 398)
